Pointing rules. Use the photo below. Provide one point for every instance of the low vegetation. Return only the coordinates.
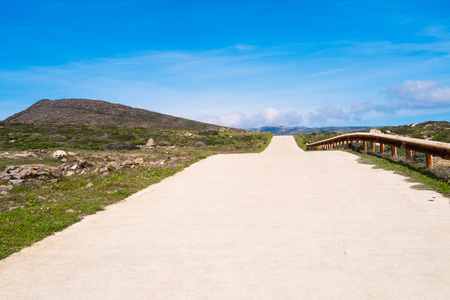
(432, 130)
(303, 139)
(104, 165)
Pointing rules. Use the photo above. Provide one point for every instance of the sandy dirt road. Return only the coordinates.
(283, 224)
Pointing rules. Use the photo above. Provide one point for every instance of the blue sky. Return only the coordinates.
(235, 63)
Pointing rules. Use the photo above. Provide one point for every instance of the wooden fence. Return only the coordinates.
(430, 148)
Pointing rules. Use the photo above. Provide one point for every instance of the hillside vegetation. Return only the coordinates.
(26, 136)
(96, 112)
(431, 130)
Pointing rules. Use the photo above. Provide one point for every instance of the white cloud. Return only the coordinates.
(421, 94)
(413, 97)
(327, 113)
(269, 116)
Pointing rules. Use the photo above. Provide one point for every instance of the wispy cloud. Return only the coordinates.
(326, 72)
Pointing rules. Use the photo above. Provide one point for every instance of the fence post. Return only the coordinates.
(408, 154)
(429, 161)
(394, 151)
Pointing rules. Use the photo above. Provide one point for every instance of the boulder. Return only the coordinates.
(127, 163)
(24, 172)
(139, 161)
(151, 143)
(15, 182)
(113, 166)
(58, 154)
(375, 131)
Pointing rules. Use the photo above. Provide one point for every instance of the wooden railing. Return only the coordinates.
(430, 148)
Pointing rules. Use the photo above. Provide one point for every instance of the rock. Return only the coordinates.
(103, 169)
(71, 153)
(15, 182)
(16, 207)
(113, 166)
(139, 160)
(30, 171)
(84, 164)
(69, 173)
(375, 131)
(64, 160)
(58, 154)
(151, 143)
(89, 185)
(127, 163)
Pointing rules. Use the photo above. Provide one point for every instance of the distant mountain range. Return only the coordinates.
(96, 112)
(286, 130)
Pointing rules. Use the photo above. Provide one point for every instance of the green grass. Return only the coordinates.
(300, 142)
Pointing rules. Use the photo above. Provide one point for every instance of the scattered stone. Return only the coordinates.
(103, 169)
(375, 131)
(69, 173)
(89, 185)
(69, 210)
(151, 143)
(71, 153)
(23, 172)
(139, 160)
(84, 164)
(64, 160)
(113, 166)
(59, 154)
(15, 207)
(15, 182)
(127, 163)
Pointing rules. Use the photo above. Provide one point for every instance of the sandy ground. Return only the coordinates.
(283, 224)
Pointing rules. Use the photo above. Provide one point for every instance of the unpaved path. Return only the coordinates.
(283, 224)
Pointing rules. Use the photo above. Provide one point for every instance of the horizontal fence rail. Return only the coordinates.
(430, 148)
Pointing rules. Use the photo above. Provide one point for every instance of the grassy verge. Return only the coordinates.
(262, 145)
(300, 142)
(37, 209)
